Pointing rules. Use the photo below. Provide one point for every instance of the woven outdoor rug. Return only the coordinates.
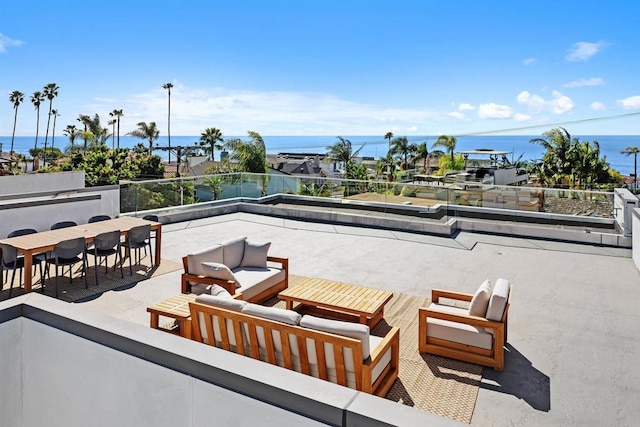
(435, 384)
(76, 292)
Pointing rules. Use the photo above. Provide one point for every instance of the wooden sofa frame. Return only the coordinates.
(230, 285)
(363, 369)
(493, 358)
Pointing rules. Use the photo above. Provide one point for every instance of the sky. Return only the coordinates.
(311, 67)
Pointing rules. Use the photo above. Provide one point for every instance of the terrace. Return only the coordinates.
(571, 338)
(569, 357)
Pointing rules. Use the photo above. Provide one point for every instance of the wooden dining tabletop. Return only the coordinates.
(32, 244)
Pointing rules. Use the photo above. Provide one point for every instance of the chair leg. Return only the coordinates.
(84, 272)
(130, 268)
(13, 276)
(56, 280)
(119, 255)
(95, 263)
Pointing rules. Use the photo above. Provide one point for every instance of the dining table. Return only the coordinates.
(43, 241)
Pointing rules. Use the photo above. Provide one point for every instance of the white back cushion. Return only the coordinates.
(195, 260)
(233, 252)
(220, 302)
(498, 300)
(480, 301)
(347, 329)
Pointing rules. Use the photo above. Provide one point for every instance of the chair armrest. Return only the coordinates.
(283, 261)
(229, 285)
(392, 339)
(436, 294)
(479, 322)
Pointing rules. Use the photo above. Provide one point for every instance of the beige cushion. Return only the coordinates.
(233, 252)
(255, 254)
(459, 333)
(347, 329)
(498, 300)
(217, 271)
(221, 302)
(255, 280)
(480, 301)
(195, 260)
(289, 317)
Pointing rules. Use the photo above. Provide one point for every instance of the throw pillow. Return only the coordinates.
(255, 254)
(216, 270)
(480, 301)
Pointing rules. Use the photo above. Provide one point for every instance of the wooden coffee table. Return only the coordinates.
(176, 307)
(350, 302)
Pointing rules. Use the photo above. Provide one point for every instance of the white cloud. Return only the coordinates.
(529, 61)
(457, 115)
(630, 103)
(535, 102)
(597, 106)
(593, 81)
(494, 111)
(466, 107)
(6, 42)
(582, 51)
(519, 117)
(235, 112)
(561, 104)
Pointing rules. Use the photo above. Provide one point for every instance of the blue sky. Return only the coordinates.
(327, 67)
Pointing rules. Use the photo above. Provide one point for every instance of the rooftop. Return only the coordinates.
(572, 342)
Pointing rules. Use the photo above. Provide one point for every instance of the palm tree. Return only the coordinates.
(558, 159)
(447, 142)
(36, 100)
(84, 119)
(146, 131)
(113, 134)
(50, 91)
(16, 97)
(388, 136)
(72, 132)
(401, 148)
(633, 151)
(53, 132)
(251, 156)
(209, 139)
(168, 86)
(117, 114)
(421, 153)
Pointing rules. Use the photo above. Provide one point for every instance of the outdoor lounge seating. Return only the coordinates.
(476, 333)
(239, 266)
(341, 352)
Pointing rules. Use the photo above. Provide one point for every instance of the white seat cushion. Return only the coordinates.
(457, 332)
(195, 260)
(498, 300)
(255, 280)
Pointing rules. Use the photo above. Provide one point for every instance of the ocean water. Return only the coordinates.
(374, 146)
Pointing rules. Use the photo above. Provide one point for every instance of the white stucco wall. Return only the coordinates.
(41, 182)
(70, 381)
(635, 238)
(11, 373)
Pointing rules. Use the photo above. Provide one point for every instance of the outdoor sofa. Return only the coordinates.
(342, 352)
(239, 266)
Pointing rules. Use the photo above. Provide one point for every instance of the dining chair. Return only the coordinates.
(153, 218)
(11, 260)
(63, 224)
(68, 253)
(137, 238)
(97, 218)
(103, 245)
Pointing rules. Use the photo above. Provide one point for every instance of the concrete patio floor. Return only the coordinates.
(573, 344)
